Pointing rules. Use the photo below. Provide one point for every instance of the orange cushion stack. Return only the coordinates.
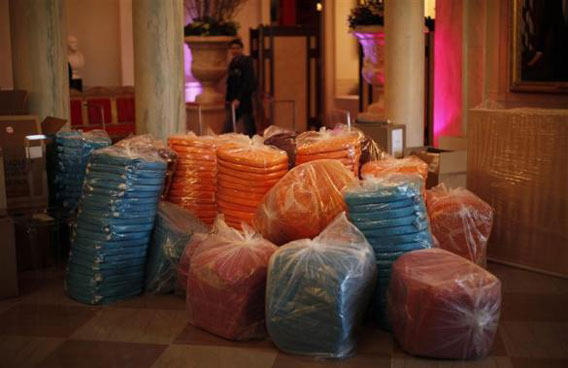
(340, 145)
(407, 165)
(195, 179)
(304, 202)
(246, 171)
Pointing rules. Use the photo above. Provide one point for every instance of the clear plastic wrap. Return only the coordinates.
(174, 228)
(114, 222)
(183, 265)
(443, 306)
(283, 139)
(340, 144)
(246, 171)
(461, 222)
(390, 212)
(226, 283)
(318, 291)
(303, 202)
(73, 152)
(370, 150)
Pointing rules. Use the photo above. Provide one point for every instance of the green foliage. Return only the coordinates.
(208, 26)
(367, 13)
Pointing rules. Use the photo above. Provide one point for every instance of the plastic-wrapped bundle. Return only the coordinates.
(461, 222)
(443, 306)
(390, 212)
(115, 219)
(173, 230)
(183, 265)
(73, 152)
(341, 145)
(246, 171)
(303, 202)
(407, 165)
(283, 139)
(318, 291)
(370, 150)
(195, 179)
(226, 283)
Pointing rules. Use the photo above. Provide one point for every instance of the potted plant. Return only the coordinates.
(366, 22)
(208, 36)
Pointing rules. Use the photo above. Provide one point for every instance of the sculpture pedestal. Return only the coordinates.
(213, 116)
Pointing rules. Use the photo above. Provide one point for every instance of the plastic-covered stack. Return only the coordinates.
(407, 165)
(341, 145)
(73, 152)
(246, 171)
(283, 139)
(390, 212)
(461, 222)
(183, 265)
(174, 228)
(195, 179)
(304, 202)
(318, 291)
(115, 219)
(226, 283)
(443, 306)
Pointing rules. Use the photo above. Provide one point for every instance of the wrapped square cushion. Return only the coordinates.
(318, 290)
(461, 221)
(443, 306)
(226, 283)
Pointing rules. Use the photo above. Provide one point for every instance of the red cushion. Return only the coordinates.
(442, 305)
(76, 111)
(94, 111)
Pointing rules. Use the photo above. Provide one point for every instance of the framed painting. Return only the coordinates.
(539, 46)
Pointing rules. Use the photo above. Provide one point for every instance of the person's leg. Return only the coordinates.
(249, 126)
(228, 127)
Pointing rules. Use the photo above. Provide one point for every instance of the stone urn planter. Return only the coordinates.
(209, 65)
(372, 40)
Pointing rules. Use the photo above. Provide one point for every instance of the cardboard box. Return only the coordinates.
(36, 241)
(448, 167)
(390, 137)
(24, 163)
(8, 268)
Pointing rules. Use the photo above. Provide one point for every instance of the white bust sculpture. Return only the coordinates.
(74, 56)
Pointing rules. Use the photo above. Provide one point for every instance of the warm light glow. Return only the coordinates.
(319, 7)
(430, 8)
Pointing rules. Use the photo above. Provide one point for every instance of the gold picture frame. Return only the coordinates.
(531, 72)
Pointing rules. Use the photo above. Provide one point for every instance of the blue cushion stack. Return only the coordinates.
(73, 152)
(174, 228)
(390, 212)
(114, 223)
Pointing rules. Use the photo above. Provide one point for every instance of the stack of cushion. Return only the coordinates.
(390, 212)
(226, 283)
(461, 222)
(173, 230)
(318, 291)
(114, 223)
(304, 202)
(246, 171)
(390, 165)
(341, 145)
(73, 152)
(443, 306)
(195, 178)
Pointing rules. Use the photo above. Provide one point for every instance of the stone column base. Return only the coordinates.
(212, 116)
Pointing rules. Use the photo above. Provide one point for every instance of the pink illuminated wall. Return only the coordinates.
(448, 69)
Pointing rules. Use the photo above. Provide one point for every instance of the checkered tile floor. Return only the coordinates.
(44, 328)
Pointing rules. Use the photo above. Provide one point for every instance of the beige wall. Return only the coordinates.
(5, 50)
(346, 51)
(96, 23)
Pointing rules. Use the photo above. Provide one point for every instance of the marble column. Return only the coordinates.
(404, 67)
(158, 66)
(39, 56)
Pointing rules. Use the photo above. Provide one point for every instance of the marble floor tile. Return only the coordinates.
(358, 361)
(87, 354)
(373, 340)
(517, 280)
(187, 356)
(26, 351)
(148, 301)
(534, 307)
(413, 362)
(538, 340)
(539, 363)
(44, 320)
(151, 326)
(195, 336)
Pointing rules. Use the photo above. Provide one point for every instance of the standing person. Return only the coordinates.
(241, 85)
